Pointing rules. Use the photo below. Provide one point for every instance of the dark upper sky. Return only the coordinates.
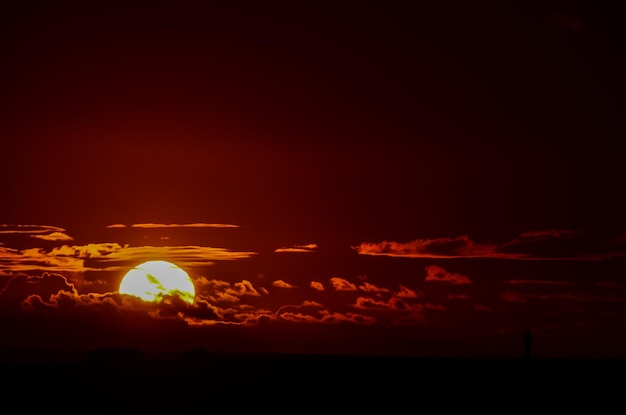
(334, 123)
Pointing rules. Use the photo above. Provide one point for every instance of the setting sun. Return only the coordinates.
(154, 280)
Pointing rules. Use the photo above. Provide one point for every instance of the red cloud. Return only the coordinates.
(461, 246)
(366, 286)
(317, 285)
(435, 273)
(551, 244)
(406, 293)
(341, 284)
(512, 297)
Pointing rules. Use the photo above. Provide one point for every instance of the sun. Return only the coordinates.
(153, 281)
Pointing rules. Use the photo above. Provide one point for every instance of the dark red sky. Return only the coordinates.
(452, 172)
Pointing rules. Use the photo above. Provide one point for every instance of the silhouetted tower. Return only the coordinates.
(528, 338)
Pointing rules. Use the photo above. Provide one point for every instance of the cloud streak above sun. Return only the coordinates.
(101, 256)
(45, 232)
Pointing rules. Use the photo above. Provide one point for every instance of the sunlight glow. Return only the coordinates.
(153, 281)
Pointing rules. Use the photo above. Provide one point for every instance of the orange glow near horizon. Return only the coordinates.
(153, 280)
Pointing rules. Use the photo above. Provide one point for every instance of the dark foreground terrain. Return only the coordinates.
(122, 381)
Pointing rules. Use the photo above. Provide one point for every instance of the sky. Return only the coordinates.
(395, 178)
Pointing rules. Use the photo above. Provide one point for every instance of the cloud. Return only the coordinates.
(407, 293)
(37, 259)
(313, 312)
(458, 297)
(516, 297)
(461, 246)
(184, 255)
(45, 232)
(366, 286)
(29, 229)
(373, 304)
(537, 282)
(298, 248)
(72, 258)
(341, 284)
(551, 244)
(174, 225)
(547, 234)
(435, 273)
(317, 285)
(396, 311)
(513, 297)
(22, 286)
(218, 291)
(282, 284)
(54, 236)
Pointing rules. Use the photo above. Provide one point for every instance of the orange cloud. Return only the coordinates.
(54, 236)
(298, 248)
(45, 232)
(317, 285)
(174, 225)
(282, 284)
(435, 273)
(29, 229)
(71, 258)
(341, 284)
(37, 259)
(184, 255)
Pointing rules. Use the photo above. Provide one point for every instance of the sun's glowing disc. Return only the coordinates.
(154, 281)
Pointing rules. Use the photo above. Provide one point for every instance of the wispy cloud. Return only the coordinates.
(317, 285)
(173, 225)
(516, 297)
(549, 244)
(54, 236)
(29, 229)
(436, 273)
(313, 312)
(45, 232)
(298, 248)
(103, 255)
(537, 282)
(36, 259)
(187, 255)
